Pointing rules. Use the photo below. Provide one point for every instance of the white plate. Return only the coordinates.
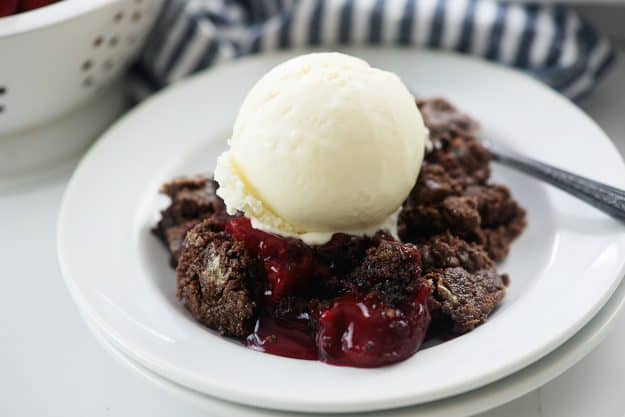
(480, 400)
(564, 268)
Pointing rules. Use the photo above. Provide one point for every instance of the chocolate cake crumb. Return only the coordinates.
(466, 285)
(456, 214)
(392, 270)
(173, 237)
(464, 159)
(341, 255)
(453, 192)
(503, 220)
(290, 307)
(445, 121)
(217, 280)
(192, 199)
(495, 204)
(434, 184)
(496, 240)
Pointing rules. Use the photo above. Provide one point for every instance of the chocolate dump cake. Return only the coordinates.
(453, 193)
(282, 296)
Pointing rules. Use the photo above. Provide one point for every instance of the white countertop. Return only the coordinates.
(51, 366)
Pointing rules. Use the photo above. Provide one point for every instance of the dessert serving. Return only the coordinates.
(345, 223)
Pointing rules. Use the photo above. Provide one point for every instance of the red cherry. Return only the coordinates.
(7, 7)
(287, 264)
(291, 338)
(26, 5)
(363, 332)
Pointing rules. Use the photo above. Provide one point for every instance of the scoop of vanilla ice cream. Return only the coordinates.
(323, 143)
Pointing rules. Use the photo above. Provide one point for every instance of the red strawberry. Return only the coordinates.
(26, 5)
(7, 7)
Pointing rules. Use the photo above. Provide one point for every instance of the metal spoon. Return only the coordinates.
(606, 198)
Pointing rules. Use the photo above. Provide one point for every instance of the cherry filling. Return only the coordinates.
(352, 329)
(290, 338)
(287, 262)
(363, 332)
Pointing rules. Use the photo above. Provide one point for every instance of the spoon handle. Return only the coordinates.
(606, 198)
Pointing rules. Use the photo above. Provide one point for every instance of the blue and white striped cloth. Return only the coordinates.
(550, 41)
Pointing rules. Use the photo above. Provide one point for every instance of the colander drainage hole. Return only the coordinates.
(3, 91)
(88, 82)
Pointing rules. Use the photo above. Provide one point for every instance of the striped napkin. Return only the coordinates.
(549, 41)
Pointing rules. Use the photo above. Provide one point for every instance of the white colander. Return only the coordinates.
(59, 60)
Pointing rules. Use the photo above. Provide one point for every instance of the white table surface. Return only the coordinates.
(51, 366)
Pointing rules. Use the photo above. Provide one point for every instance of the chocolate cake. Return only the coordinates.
(191, 200)
(216, 277)
(282, 296)
(453, 193)
(467, 286)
